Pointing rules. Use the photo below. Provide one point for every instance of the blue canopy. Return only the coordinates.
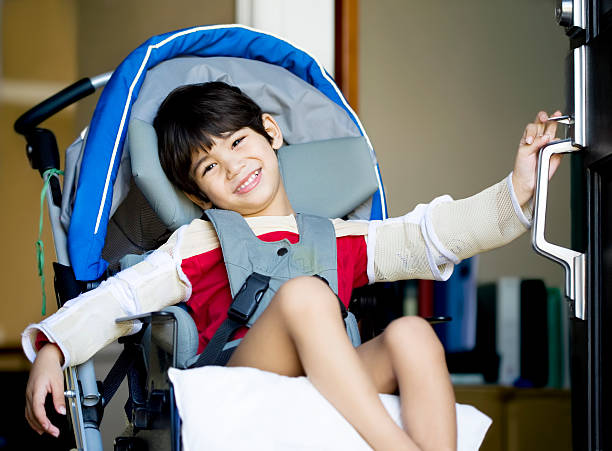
(104, 146)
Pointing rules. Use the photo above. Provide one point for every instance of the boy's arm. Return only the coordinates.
(427, 242)
(86, 324)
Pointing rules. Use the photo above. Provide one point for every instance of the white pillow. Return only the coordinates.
(244, 408)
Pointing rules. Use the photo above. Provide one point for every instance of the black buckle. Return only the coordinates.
(248, 298)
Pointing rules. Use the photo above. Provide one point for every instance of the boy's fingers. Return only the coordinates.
(541, 140)
(33, 424)
(529, 135)
(555, 161)
(541, 122)
(29, 414)
(54, 431)
(58, 397)
(541, 117)
(538, 142)
(551, 127)
(38, 409)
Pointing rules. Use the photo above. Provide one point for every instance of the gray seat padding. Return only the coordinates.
(186, 336)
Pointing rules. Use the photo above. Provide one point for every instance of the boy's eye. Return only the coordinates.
(238, 141)
(208, 168)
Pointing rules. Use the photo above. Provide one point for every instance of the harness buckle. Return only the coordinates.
(248, 297)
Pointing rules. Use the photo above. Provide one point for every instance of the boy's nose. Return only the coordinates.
(234, 168)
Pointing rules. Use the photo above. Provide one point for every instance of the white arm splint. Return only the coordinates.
(427, 242)
(86, 324)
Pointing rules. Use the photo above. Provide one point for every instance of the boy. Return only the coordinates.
(219, 148)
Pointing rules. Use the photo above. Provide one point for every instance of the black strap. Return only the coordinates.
(244, 305)
(217, 343)
(225, 355)
(115, 376)
(131, 362)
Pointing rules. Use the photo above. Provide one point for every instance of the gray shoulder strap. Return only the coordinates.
(235, 237)
(318, 235)
(244, 253)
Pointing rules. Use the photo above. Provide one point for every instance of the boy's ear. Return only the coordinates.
(273, 130)
(204, 205)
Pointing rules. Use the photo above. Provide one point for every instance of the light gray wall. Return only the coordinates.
(37, 54)
(446, 89)
(109, 30)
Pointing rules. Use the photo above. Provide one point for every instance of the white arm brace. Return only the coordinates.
(427, 242)
(86, 324)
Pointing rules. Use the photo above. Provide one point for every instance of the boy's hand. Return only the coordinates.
(45, 377)
(536, 135)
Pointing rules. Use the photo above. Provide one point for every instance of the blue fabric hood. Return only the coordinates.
(104, 146)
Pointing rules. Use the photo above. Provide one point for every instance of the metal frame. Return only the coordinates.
(572, 261)
(82, 392)
(81, 384)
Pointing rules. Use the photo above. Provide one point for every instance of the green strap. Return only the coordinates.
(40, 248)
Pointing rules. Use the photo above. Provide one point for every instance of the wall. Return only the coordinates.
(108, 30)
(38, 58)
(294, 21)
(446, 89)
(46, 45)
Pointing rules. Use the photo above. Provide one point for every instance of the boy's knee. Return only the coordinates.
(306, 295)
(410, 333)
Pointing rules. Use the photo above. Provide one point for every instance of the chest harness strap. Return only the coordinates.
(256, 269)
(243, 307)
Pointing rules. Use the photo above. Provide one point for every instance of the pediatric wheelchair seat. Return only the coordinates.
(117, 205)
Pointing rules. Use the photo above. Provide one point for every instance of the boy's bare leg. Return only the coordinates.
(409, 354)
(301, 332)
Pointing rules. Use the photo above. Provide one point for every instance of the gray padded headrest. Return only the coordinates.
(328, 178)
(303, 112)
(328, 168)
(171, 205)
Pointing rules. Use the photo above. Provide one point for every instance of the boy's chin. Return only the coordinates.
(255, 210)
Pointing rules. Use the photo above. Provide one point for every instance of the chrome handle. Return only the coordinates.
(564, 12)
(580, 95)
(572, 261)
(571, 13)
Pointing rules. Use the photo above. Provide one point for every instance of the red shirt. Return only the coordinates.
(211, 297)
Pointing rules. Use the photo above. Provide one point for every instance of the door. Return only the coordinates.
(588, 25)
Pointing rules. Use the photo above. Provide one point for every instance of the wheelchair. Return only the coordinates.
(116, 204)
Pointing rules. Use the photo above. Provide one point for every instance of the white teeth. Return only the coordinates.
(249, 180)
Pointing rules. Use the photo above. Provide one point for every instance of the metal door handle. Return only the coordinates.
(572, 261)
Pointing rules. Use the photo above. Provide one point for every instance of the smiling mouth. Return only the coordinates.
(250, 182)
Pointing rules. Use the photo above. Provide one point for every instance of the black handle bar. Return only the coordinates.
(47, 108)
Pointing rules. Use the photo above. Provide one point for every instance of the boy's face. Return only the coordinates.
(240, 173)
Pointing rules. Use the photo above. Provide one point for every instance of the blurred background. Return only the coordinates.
(444, 90)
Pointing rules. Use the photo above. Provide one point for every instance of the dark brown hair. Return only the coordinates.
(191, 116)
